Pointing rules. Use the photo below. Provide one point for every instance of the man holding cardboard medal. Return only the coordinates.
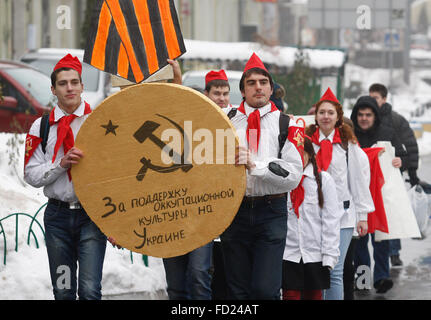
(71, 237)
(253, 244)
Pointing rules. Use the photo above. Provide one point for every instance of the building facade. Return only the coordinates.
(30, 24)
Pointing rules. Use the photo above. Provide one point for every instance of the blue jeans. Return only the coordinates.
(71, 239)
(394, 247)
(336, 291)
(380, 255)
(188, 276)
(253, 247)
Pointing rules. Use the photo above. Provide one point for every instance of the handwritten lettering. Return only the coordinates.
(150, 240)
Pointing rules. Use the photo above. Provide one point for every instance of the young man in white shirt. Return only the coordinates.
(253, 244)
(71, 237)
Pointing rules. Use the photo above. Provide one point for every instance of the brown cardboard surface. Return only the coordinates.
(150, 207)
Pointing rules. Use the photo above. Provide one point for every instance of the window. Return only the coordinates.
(10, 91)
(36, 83)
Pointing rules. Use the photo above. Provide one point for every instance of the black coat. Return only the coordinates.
(379, 131)
(404, 133)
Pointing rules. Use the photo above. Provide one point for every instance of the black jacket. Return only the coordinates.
(405, 134)
(379, 131)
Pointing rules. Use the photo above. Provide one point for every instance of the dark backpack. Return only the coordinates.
(284, 127)
(44, 131)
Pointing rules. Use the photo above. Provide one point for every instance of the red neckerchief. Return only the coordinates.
(253, 127)
(324, 155)
(64, 132)
(377, 219)
(297, 196)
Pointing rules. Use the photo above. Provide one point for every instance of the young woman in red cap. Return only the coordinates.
(312, 240)
(338, 153)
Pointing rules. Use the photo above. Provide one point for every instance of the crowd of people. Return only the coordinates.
(301, 229)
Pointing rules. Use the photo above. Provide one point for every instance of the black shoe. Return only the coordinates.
(383, 285)
(396, 261)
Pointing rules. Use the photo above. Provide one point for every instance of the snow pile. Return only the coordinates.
(420, 54)
(281, 56)
(424, 144)
(26, 273)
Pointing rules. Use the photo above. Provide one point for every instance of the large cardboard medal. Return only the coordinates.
(158, 172)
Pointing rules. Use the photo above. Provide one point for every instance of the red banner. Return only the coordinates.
(377, 219)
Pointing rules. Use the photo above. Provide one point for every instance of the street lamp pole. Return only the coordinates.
(407, 42)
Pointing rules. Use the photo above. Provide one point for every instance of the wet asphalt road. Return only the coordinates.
(413, 280)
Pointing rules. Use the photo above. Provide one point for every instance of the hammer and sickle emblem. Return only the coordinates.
(299, 139)
(146, 132)
(28, 146)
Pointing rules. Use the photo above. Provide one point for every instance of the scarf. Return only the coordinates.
(297, 197)
(64, 133)
(253, 126)
(324, 155)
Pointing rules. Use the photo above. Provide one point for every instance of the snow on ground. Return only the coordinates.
(26, 273)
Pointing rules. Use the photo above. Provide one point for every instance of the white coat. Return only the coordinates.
(314, 236)
(351, 174)
(260, 180)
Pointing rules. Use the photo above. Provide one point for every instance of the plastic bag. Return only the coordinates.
(421, 208)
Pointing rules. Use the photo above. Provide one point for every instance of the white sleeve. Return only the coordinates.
(40, 171)
(330, 222)
(290, 161)
(359, 181)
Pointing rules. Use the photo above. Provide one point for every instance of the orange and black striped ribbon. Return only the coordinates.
(133, 38)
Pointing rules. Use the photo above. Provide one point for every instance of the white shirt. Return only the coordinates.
(40, 171)
(315, 235)
(351, 174)
(260, 180)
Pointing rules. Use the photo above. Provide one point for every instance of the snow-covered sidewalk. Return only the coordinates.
(26, 273)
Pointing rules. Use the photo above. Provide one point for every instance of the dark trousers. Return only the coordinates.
(394, 247)
(349, 271)
(72, 239)
(218, 285)
(253, 247)
(380, 255)
(188, 276)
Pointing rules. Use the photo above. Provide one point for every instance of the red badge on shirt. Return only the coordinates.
(296, 136)
(31, 143)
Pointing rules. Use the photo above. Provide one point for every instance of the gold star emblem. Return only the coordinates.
(299, 139)
(28, 147)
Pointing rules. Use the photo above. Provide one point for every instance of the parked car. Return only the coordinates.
(420, 41)
(97, 84)
(26, 96)
(196, 79)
